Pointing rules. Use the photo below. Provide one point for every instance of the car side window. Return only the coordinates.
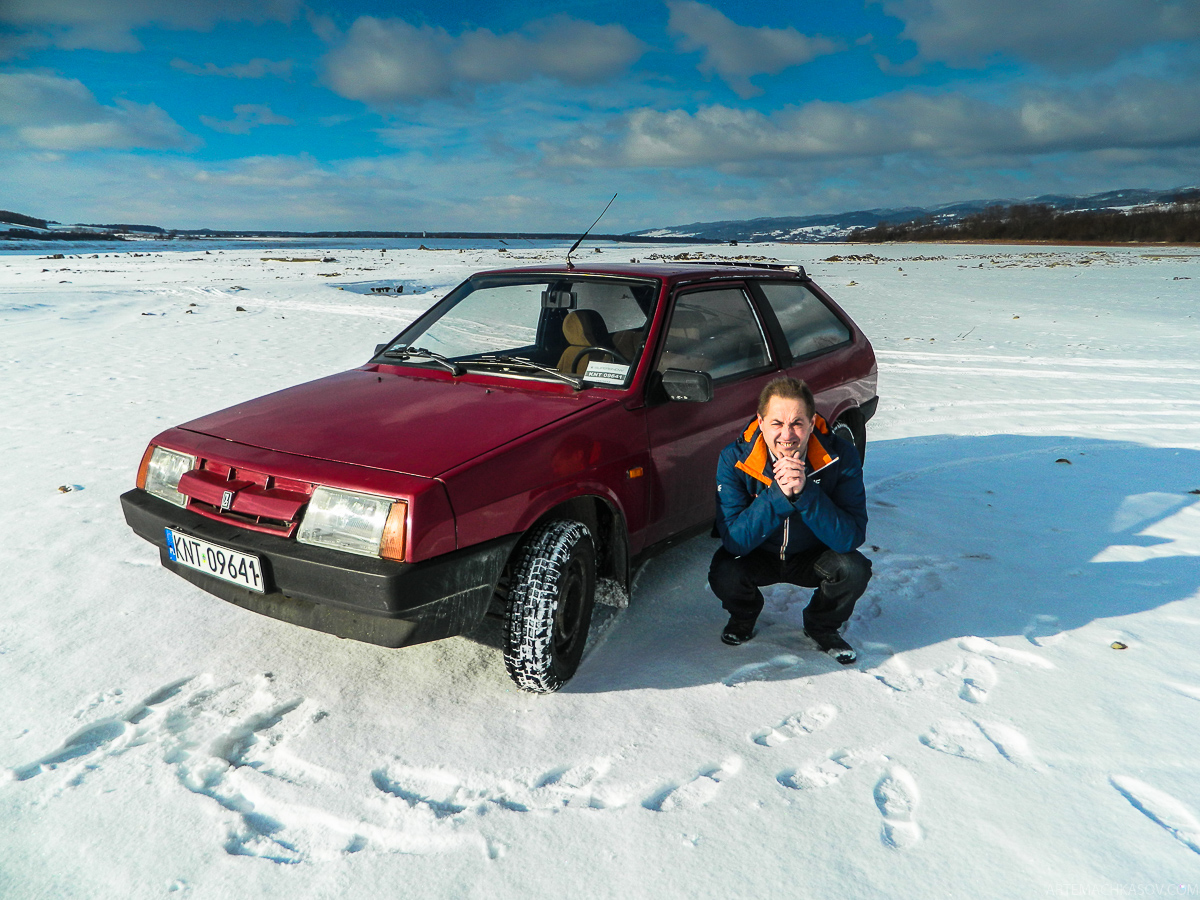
(715, 332)
(808, 324)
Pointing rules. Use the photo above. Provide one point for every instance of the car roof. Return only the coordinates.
(673, 271)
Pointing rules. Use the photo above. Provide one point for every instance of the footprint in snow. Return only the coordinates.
(981, 740)
(1043, 631)
(897, 798)
(1160, 808)
(695, 793)
(222, 742)
(821, 773)
(574, 786)
(774, 669)
(815, 719)
(898, 675)
(109, 735)
(978, 678)
(444, 795)
(987, 648)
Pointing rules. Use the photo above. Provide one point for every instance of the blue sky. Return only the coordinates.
(530, 115)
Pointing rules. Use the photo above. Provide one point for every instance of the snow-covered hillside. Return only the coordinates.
(1032, 476)
(833, 227)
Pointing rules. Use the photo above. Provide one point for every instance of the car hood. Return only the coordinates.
(412, 424)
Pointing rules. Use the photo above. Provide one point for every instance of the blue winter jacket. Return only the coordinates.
(752, 511)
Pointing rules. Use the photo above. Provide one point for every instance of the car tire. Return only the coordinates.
(855, 431)
(550, 605)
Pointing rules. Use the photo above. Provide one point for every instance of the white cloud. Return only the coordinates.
(255, 68)
(567, 49)
(480, 192)
(384, 61)
(1058, 34)
(738, 52)
(388, 61)
(108, 25)
(1139, 113)
(55, 113)
(247, 116)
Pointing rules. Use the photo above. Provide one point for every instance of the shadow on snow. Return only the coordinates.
(969, 536)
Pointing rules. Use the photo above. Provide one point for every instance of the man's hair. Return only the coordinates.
(788, 389)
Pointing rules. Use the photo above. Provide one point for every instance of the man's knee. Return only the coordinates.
(849, 571)
(727, 574)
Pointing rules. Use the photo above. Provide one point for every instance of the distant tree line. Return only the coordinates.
(150, 229)
(16, 234)
(1177, 222)
(12, 218)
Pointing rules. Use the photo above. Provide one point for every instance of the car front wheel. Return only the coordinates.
(550, 605)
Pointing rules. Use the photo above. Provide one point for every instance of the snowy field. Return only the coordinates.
(1032, 476)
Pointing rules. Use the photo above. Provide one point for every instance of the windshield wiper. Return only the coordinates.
(421, 353)
(491, 359)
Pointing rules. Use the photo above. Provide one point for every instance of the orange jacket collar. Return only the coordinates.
(755, 463)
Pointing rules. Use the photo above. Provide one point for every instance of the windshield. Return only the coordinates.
(588, 330)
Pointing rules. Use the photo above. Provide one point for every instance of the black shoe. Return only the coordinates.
(833, 644)
(737, 631)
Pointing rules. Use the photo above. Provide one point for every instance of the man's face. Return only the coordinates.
(785, 426)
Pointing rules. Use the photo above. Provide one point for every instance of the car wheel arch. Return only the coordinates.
(606, 523)
(852, 419)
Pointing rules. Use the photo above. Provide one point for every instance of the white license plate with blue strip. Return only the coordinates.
(242, 569)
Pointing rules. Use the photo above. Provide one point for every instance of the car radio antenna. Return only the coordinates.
(585, 234)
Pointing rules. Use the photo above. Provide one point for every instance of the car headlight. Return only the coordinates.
(365, 524)
(161, 471)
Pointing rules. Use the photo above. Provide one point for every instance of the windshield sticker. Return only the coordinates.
(608, 373)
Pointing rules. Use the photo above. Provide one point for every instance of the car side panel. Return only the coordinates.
(840, 379)
(590, 454)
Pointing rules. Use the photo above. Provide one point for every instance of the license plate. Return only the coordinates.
(220, 562)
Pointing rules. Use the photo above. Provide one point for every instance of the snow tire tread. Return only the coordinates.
(541, 562)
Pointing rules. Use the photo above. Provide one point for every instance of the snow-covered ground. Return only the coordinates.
(1032, 475)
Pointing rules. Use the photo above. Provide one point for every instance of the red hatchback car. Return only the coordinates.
(534, 436)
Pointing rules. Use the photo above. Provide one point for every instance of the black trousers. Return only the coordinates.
(839, 578)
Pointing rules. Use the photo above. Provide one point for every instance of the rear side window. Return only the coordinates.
(714, 332)
(808, 324)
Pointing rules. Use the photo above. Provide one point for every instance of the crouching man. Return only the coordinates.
(791, 508)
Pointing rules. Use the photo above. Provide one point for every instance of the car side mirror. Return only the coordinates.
(687, 387)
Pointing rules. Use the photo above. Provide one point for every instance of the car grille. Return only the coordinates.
(245, 498)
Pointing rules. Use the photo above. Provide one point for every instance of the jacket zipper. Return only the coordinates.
(783, 547)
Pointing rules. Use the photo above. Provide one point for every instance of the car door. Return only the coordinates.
(811, 339)
(713, 329)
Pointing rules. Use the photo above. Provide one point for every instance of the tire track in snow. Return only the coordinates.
(1051, 374)
(1082, 362)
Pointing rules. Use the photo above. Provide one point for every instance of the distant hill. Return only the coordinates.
(839, 226)
(980, 218)
(137, 229)
(12, 218)
(1177, 222)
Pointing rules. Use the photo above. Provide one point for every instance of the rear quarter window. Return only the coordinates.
(808, 324)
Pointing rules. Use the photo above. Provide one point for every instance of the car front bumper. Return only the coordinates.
(377, 601)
